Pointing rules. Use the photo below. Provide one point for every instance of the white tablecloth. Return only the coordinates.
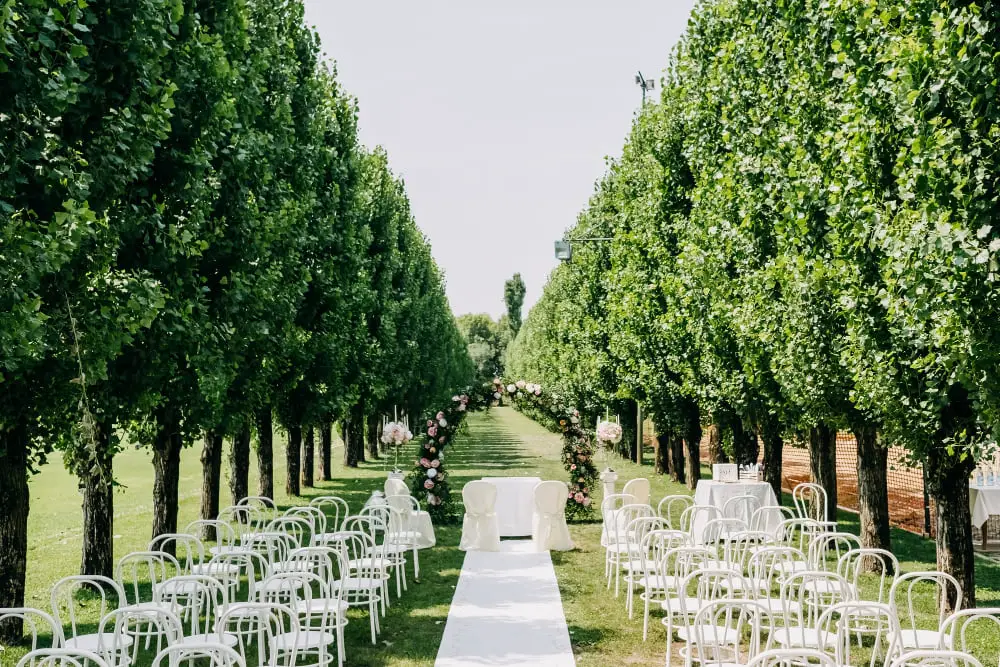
(709, 492)
(515, 504)
(984, 502)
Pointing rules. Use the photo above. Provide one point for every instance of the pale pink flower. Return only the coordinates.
(428, 484)
(578, 497)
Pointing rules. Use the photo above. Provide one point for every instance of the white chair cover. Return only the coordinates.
(639, 489)
(548, 527)
(480, 529)
(420, 521)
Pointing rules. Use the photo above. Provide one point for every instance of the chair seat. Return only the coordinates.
(713, 634)
(173, 587)
(223, 550)
(293, 566)
(304, 639)
(804, 638)
(920, 639)
(673, 605)
(359, 583)
(210, 638)
(92, 641)
(624, 548)
(227, 570)
(653, 582)
(369, 564)
(753, 583)
(323, 606)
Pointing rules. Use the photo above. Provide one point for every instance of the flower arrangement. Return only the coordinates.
(429, 478)
(609, 433)
(395, 435)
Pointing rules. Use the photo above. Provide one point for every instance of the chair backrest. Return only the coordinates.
(36, 624)
(214, 654)
(215, 530)
(260, 502)
(610, 507)
(769, 564)
(335, 508)
(805, 594)
(722, 532)
(698, 514)
(243, 519)
(670, 509)
(871, 562)
(249, 565)
(936, 658)
(967, 629)
(932, 587)
(140, 571)
(729, 631)
(705, 584)
(273, 546)
(119, 625)
(479, 497)
(767, 520)
(61, 657)
(741, 507)
(842, 622)
(67, 604)
(314, 515)
(825, 549)
(298, 528)
(195, 597)
(792, 657)
(550, 497)
(638, 488)
(810, 501)
(798, 532)
(189, 550)
(258, 624)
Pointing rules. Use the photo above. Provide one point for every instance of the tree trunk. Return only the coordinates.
(265, 453)
(873, 495)
(98, 555)
(774, 445)
(371, 427)
(326, 444)
(14, 500)
(167, 469)
(354, 435)
(716, 454)
(308, 447)
(239, 464)
(677, 458)
(661, 453)
(630, 444)
(692, 437)
(746, 450)
(823, 464)
(211, 479)
(292, 453)
(947, 476)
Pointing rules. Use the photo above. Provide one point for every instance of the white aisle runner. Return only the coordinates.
(506, 611)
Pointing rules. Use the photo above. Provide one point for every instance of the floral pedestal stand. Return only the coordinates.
(608, 478)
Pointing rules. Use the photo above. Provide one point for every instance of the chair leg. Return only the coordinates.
(373, 618)
(645, 617)
(416, 563)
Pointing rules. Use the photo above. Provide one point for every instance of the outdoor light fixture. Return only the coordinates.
(645, 84)
(564, 251)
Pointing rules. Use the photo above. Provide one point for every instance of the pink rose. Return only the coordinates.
(432, 431)
(586, 502)
(428, 485)
(425, 462)
(435, 463)
(578, 497)
(440, 416)
(433, 500)
(461, 407)
(573, 467)
(441, 440)
(570, 494)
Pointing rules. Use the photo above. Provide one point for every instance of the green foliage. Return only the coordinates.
(513, 298)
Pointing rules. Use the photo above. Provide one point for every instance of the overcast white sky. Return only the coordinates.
(498, 114)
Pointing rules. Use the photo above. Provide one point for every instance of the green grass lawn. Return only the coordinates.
(499, 443)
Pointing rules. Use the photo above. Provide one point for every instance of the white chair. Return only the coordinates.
(804, 596)
(548, 527)
(810, 501)
(680, 602)
(61, 657)
(36, 623)
(694, 518)
(825, 549)
(68, 601)
(958, 626)
(319, 616)
(197, 599)
(869, 563)
(840, 622)
(135, 623)
(716, 636)
(741, 507)
(336, 510)
(933, 587)
(637, 557)
(609, 514)
(419, 521)
(620, 549)
(262, 503)
(363, 582)
(214, 530)
(480, 529)
(638, 488)
(189, 550)
(654, 578)
(935, 658)
(212, 654)
(258, 625)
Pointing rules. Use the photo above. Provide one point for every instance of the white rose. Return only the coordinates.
(431, 473)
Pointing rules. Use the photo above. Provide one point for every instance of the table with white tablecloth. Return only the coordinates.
(515, 506)
(717, 494)
(984, 502)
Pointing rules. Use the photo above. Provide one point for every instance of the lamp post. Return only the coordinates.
(645, 84)
(564, 247)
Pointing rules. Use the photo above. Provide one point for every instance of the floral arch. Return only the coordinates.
(429, 479)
